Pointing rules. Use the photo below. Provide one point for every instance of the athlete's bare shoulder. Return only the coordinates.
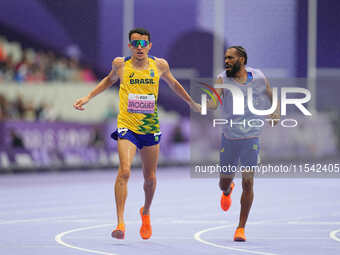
(116, 70)
(162, 64)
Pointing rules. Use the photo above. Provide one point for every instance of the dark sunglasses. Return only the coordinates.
(142, 43)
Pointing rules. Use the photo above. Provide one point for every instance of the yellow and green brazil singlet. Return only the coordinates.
(138, 96)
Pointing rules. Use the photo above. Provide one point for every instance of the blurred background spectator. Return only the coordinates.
(39, 66)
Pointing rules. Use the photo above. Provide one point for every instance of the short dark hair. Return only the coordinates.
(241, 52)
(140, 31)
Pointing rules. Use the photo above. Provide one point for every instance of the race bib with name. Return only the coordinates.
(141, 103)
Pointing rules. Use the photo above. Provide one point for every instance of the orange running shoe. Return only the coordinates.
(145, 230)
(119, 232)
(226, 200)
(239, 235)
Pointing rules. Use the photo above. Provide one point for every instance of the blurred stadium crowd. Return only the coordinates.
(19, 109)
(27, 66)
(31, 66)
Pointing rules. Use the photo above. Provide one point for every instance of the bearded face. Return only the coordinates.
(232, 69)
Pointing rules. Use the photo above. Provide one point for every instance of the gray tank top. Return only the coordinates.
(241, 127)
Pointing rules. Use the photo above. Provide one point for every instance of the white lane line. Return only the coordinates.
(23, 205)
(48, 209)
(93, 218)
(332, 235)
(200, 222)
(5, 222)
(288, 238)
(314, 222)
(59, 240)
(198, 238)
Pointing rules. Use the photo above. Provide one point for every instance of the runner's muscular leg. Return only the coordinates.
(149, 156)
(126, 151)
(225, 182)
(247, 197)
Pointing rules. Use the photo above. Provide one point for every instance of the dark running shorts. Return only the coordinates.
(137, 139)
(239, 152)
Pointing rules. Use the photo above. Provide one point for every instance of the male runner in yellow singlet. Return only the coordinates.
(137, 124)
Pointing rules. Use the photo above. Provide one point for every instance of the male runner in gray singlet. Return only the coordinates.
(240, 141)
